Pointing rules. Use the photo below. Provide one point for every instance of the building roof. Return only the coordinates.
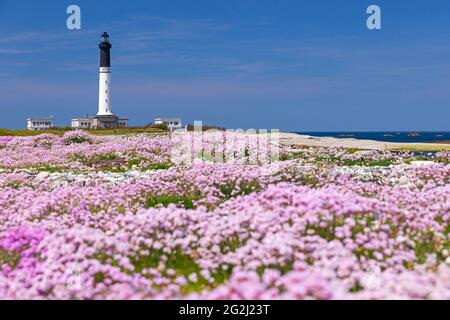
(45, 119)
(82, 119)
(167, 119)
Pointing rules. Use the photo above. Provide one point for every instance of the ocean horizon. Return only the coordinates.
(385, 136)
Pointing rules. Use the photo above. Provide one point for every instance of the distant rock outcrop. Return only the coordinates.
(413, 134)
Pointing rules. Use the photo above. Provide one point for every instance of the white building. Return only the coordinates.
(122, 122)
(40, 123)
(171, 123)
(82, 123)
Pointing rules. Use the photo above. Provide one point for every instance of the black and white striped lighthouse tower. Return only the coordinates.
(104, 118)
(104, 89)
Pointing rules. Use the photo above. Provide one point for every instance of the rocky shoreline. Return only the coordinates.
(294, 141)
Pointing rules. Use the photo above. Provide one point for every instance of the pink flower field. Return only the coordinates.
(149, 217)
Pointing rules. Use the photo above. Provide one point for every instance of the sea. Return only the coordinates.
(386, 136)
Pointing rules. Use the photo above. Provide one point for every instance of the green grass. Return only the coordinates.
(24, 133)
(60, 132)
(10, 258)
(164, 200)
(124, 131)
(183, 265)
(354, 162)
(231, 190)
(156, 166)
(422, 148)
(105, 156)
(283, 268)
(135, 162)
(48, 168)
(352, 150)
(365, 163)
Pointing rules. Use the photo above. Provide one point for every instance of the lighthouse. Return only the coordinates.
(104, 88)
(104, 118)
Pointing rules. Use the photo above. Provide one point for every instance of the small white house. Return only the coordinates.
(40, 123)
(82, 123)
(171, 123)
(122, 122)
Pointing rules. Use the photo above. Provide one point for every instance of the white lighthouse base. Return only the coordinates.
(108, 121)
(100, 122)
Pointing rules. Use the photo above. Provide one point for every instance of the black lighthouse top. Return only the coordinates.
(105, 46)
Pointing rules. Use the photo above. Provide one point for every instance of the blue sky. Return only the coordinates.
(294, 65)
